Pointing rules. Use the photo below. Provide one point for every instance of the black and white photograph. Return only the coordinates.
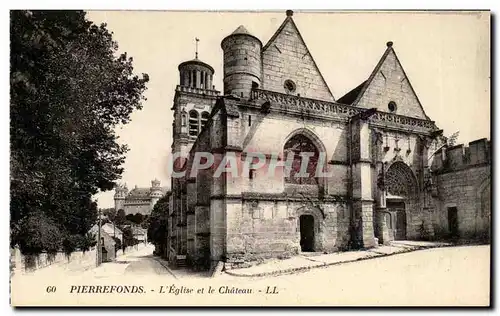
(250, 158)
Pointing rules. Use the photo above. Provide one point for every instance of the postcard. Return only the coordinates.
(250, 158)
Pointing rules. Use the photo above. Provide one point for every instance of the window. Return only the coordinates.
(301, 144)
(204, 119)
(249, 120)
(392, 106)
(183, 119)
(193, 123)
(251, 173)
(289, 86)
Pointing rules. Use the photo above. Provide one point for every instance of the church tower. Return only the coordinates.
(242, 63)
(194, 97)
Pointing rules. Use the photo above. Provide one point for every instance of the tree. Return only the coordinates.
(128, 238)
(120, 218)
(110, 213)
(136, 219)
(157, 224)
(70, 89)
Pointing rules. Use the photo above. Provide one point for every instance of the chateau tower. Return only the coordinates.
(156, 192)
(242, 62)
(121, 192)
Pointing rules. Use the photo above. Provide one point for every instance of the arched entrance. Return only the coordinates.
(306, 233)
(402, 199)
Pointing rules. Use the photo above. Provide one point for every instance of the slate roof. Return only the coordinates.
(241, 30)
(352, 95)
(143, 193)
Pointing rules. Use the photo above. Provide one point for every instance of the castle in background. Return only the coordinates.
(394, 176)
(138, 200)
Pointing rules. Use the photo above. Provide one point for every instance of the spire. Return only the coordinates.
(241, 30)
(196, 54)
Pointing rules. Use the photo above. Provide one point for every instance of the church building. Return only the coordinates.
(391, 174)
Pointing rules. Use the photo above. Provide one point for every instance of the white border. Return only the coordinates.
(199, 6)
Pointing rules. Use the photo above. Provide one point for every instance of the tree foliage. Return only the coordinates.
(157, 223)
(128, 237)
(69, 90)
(136, 219)
(120, 218)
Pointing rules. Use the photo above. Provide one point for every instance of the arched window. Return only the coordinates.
(204, 119)
(183, 118)
(301, 144)
(193, 123)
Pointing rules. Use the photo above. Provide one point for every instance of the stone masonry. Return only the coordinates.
(379, 167)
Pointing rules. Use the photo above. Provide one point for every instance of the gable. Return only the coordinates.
(286, 57)
(389, 83)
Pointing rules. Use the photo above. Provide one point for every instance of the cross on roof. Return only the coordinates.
(197, 40)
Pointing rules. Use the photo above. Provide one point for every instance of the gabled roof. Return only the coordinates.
(289, 19)
(352, 95)
(364, 86)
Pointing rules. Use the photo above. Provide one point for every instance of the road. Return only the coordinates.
(436, 277)
(439, 276)
(134, 263)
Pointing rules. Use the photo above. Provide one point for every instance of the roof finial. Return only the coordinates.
(196, 54)
(289, 12)
(389, 44)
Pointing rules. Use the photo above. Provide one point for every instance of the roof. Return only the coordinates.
(110, 230)
(105, 231)
(241, 30)
(352, 95)
(228, 104)
(196, 61)
(289, 19)
(364, 86)
(136, 230)
(143, 193)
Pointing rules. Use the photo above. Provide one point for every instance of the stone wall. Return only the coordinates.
(263, 228)
(463, 180)
(77, 261)
(391, 84)
(287, 57)
(469, 191)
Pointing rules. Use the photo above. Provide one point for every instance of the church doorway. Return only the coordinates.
(397, 219)
(306, 233)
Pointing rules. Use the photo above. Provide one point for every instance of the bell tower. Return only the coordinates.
(194, 97)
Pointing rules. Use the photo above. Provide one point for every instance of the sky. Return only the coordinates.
(445, 55)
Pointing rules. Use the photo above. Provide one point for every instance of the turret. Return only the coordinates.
(121, 192)
(155, 193)
(196, 74)
(242, 62)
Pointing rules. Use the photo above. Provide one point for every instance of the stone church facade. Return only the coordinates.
(391, 173)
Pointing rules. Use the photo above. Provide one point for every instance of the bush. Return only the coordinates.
(38, 233)
(118, 243)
